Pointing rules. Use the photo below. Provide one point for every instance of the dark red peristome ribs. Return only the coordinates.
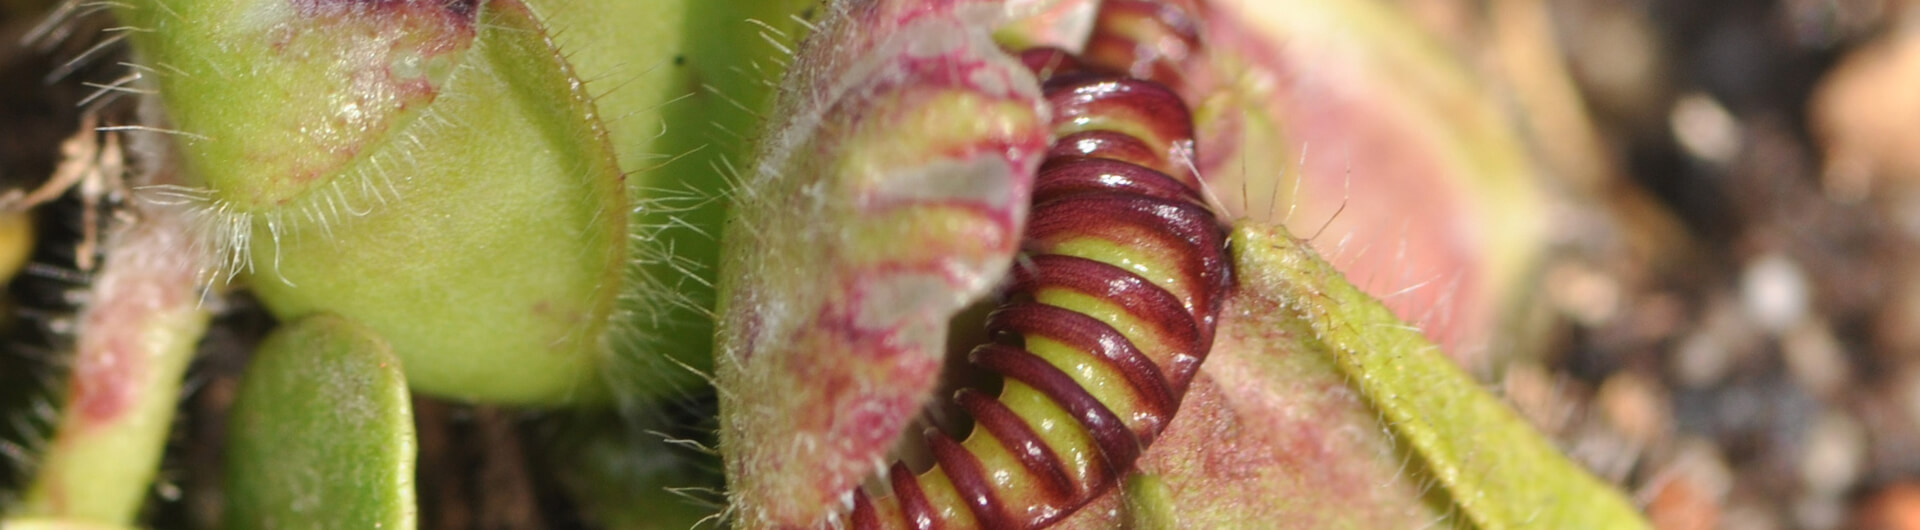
(1110, 312)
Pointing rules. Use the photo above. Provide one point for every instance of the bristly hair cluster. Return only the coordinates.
(673, 224)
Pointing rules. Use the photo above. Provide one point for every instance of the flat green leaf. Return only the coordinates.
(322, 433)
(1318, 409)
(1494, 467)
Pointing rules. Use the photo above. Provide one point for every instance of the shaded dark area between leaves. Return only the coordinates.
(35, 115)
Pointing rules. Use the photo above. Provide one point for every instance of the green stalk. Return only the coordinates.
(137, 337)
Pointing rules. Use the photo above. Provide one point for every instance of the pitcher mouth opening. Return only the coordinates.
(1061, 381)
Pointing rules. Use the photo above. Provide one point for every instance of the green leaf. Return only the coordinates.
(434, 171)
(1494, 467)
(494, 272)
(322, 433)
(275, 99)
(680, 85)
(487, 186)
(1318, 409)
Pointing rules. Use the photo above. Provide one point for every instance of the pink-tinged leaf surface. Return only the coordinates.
(136, 336)
(1063, 24)
(1271, 436)
(890, 193)
(1319, 409)
(278, 97)
(1346, 122)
